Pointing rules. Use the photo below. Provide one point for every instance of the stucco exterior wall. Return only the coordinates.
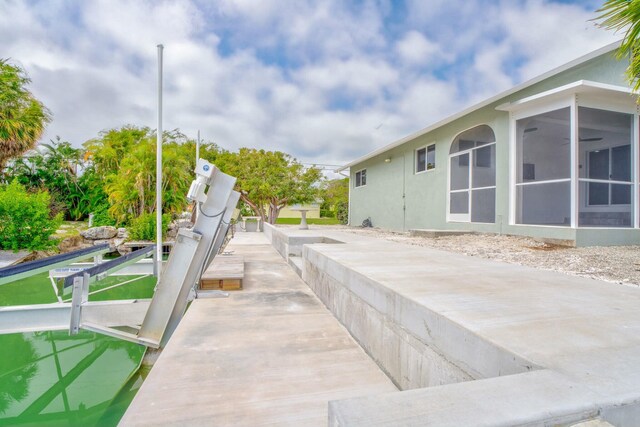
(397, 198)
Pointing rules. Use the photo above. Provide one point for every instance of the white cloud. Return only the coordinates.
(415, 48)
(325, 81)
(549, 35)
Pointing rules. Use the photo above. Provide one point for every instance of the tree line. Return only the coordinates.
(112, 176)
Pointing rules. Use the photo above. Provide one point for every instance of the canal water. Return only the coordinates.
(54, 379)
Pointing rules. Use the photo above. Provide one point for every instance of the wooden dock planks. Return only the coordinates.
(225, 273)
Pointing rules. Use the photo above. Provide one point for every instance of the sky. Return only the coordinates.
(326, 81)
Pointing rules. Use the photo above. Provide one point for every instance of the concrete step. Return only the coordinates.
(296, 263)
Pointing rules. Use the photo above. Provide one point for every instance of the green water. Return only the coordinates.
(50, 378)
(53, 379)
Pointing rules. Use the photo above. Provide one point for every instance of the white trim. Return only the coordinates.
(577, 87)
(635, 153)
(589, 227)
(484, 188)
(512, 170)
(469, 152)
(548, 181)
(608, 104)
(466, 218)
(574, 161)
(562, 227)
(605, 181)
(349, 202)
(581, 60)
(536, 110)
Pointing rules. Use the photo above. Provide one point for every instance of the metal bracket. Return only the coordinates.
(80, 296)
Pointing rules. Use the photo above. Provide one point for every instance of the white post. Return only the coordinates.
(575, 162)
(159, 169)
(198, 148)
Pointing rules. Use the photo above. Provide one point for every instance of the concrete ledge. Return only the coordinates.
(557, 242)
(290, 243)
(417, 347)
(438, 233)
(536, 398)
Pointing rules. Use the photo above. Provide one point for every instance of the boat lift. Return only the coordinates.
(147, 322)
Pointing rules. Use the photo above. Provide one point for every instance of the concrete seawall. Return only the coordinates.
(547, 348)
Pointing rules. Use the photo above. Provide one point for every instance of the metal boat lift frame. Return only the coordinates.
(146, 322)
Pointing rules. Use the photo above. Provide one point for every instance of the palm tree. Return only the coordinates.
(624, 15)
(22, 117)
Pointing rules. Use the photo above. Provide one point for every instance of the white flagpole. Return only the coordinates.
(195, 206)
(198, 148)
(159, 170)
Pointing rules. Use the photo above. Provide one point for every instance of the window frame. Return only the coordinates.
(470, 152)
(426, 158)
(416, 157)
(434, 157)
(610, 182)
(574, 101)
(355, 180)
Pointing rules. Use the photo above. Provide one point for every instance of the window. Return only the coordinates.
(604, 171)
(543, 169)
(426, 158)
(472, 176)
(361, 178)
(544, 182)
(431, 157)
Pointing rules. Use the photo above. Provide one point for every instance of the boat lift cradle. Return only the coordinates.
(212, 191)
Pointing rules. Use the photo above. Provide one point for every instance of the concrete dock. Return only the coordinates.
(271, 354)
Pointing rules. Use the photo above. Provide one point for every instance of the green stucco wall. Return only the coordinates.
(398, 199)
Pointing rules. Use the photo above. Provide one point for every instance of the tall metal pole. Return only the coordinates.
(198, 147)
(159, 170)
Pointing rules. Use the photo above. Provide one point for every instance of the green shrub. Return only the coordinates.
(327, 213)
(25, 219)
(144, 226)
(101, 216)
(342, 212)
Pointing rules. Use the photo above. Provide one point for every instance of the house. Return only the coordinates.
(554, 157)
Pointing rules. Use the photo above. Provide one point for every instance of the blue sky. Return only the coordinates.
(326, 81)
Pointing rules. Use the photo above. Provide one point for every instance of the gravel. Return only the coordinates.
(616, 264)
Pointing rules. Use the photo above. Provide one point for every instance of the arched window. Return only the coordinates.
(472, 176)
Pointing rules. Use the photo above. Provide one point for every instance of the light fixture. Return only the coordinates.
(387, 160)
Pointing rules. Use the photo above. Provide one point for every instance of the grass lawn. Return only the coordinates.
(315, 221)
(70, 228)
(31, 290)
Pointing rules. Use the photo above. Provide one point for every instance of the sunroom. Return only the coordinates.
(573, 157)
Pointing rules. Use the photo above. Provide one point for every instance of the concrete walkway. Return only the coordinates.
(270, 354)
